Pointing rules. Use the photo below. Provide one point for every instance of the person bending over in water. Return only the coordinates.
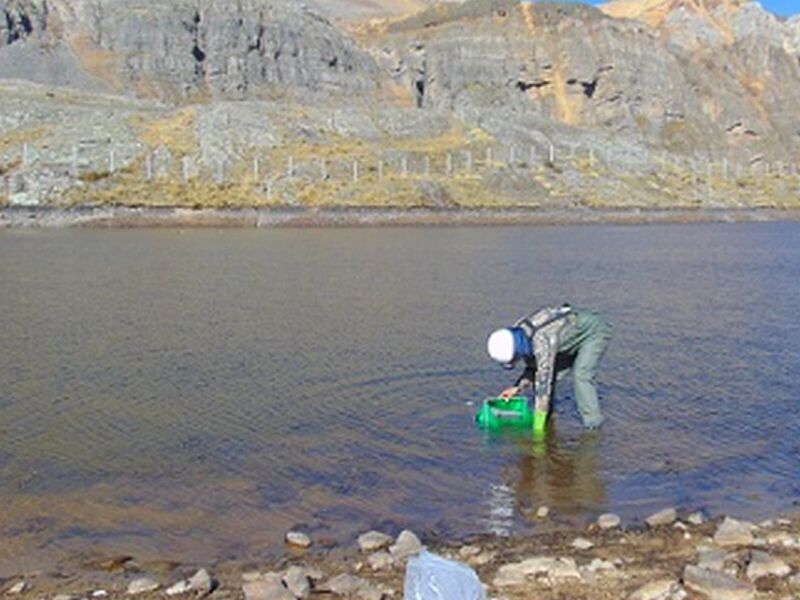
(552, 340)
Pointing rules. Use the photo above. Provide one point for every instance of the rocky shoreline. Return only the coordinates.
(132, 217)
(674, 555)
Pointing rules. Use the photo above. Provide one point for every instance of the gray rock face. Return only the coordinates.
(715, 585)
(574, 65)
(182, 49)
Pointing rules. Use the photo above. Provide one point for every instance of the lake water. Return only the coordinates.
(195, 394)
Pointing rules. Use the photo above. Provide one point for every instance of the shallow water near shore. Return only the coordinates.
(194, 394)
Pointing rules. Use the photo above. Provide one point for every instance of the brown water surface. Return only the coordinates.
(195, 394)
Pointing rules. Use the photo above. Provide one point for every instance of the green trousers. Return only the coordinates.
(582, 345)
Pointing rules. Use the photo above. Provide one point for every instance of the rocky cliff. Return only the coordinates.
(482, 102)
(181, 50)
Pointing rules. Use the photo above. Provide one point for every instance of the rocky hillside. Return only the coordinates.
(485, 102)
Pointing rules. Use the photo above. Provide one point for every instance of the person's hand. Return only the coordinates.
(509, 392)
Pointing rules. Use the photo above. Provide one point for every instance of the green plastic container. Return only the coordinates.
(499, 412)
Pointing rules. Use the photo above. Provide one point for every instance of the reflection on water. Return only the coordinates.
(195, 394)
(551, 471)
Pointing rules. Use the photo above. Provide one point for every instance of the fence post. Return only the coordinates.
(512, 156)
(552, 154)
(290, 167)
(75, 161)
(532, 157)
(469, 161)
(269, 189)
(323, 169)
(148, 166)
(112, 162)
(591, 158)
(355, 171)
(185, 168)
(380, 170)
(256, 168)
(25, 158)
(449, 164)
(404, 166)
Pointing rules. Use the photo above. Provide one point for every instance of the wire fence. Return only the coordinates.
(267, 169)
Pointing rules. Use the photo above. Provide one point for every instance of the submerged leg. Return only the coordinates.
(584, 373)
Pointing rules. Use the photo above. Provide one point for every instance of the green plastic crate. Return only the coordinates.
(499, 412)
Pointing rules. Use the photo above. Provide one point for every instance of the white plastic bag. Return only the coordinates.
(431, 577)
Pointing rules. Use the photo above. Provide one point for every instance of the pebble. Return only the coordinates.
(663, 517)
(18, 588)
(542, 512)
(780, 538)
(296, 538)
(344, 584)
(407, 544)
(99, 594)
(762, 564)
(717, 586)
(598, 564)
(662, 589)
(296, 580)
(373, 540)
(734, 533)
(182, 587)
(581, 543)
(62, 597)
(469, 550)
(269, 588)
(484, 558)
(515, 574)
(380, 561)
(142, 585)
(608, 521)
(696, 518)
(201, 582)
(564, 568)
(369, 592)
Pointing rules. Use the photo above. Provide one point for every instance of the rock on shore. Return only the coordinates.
(638, 563)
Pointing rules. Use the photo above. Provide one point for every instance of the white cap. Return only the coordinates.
(500, 346)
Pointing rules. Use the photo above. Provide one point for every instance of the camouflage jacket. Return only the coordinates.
(544, 327)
